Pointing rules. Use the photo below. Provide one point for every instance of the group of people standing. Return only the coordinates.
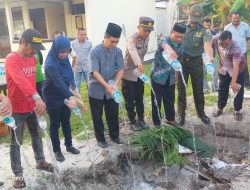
(104, 63)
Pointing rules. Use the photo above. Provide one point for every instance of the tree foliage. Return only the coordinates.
(220, 10)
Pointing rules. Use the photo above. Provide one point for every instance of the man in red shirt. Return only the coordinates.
(26, 102)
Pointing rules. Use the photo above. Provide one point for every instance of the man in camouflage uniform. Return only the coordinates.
(132, 86)
(196, 41)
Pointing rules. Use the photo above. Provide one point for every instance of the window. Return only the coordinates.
(3, 24)
(37, 17)
(18, 24)
(4, 35)
(77, 9)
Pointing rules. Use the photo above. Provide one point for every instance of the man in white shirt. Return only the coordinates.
(241, 34)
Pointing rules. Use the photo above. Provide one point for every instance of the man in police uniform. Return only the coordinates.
(196, 41)
(132, 86)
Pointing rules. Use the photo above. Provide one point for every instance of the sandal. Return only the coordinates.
(237, 116)
(45, 166)
(19, 182)
(217, 113)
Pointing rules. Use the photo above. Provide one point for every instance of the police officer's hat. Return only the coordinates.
(147, 23)
(196, 13)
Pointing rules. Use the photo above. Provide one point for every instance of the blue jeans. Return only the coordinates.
(215, 78)
(79, 76)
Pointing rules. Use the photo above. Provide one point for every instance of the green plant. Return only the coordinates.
(161, 145)
(186, 139)
(158, 145)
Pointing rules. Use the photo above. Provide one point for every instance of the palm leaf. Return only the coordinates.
(237, 5)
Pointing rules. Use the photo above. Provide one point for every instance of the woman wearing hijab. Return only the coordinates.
(56, 88)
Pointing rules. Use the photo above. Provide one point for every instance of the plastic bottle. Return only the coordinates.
(235, 94)
(42, 122)
(174, 63)
(75, 110)
(116, 94)
(143, 77)
(8, 120)
(208, 65)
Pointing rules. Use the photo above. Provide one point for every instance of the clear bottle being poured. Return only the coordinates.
(116, 94)
(42, 122)
(208, 65)
(75, 110)
(234, 94)
(174, 63)
(142, 76)
(8, 120)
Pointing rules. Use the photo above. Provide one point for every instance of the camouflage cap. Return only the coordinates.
(196, 13)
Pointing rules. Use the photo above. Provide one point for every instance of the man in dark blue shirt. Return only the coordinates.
(163, 77)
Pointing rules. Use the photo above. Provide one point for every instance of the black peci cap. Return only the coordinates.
(114, 30)
(34, 38)
(180, 28)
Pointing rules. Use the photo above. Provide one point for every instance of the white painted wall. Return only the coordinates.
(100, 12)
(161, 24)
(166, 16)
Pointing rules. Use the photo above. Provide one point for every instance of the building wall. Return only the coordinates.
(71, 29)
(122, 12)
(161, 24)
(55, 18)
(166, 16)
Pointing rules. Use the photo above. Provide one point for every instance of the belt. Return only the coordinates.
(191, 58)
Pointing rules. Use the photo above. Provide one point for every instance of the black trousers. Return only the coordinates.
(167, 94)
(133, 94)
(111, 113)
(39, 86)
(194, 68)
(223, 92)
(57, 117)
(246, 77)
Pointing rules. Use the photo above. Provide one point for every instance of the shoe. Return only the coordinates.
(237, 116)
(181, 120)
(19, 182)
(117, 141)
(205, 119)
(59, 156)
(135, 127)
(217, 113)
(1, 183)
(73, 150)
(45, 166)
(142, 124)
(102, 144)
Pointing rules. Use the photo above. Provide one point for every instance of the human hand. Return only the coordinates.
(40, 108)
(72, 102)
(140, 69)
(6, 109)
(235, 87)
